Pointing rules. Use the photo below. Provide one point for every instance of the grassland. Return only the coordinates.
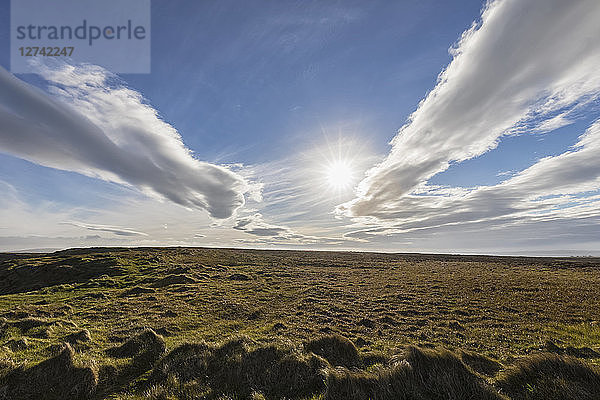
(190, 323)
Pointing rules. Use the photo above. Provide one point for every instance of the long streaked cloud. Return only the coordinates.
(117, 230)
(525, 65)
(95, 126)
(255, 225)
(558, 188)
(267, 232)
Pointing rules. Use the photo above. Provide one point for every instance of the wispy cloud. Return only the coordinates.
(555, 189)
(94, 125)
(553, 123)
(523, 63)
(268, 232)
(120, 231)
(255, 225)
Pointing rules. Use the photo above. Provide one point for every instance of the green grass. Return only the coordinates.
(579, 335)
(495, 308)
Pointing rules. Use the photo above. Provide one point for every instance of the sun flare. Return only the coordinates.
(339, 175)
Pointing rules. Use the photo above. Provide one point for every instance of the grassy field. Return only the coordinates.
(191, 323)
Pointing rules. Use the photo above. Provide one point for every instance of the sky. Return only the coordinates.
(406, 126)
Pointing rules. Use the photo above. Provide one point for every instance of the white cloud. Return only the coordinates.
(255, 225)
(555, 189)
(117, 230)
(525, 61)
(95, 126)
(554, 123)
(125, 218)
(268, 232)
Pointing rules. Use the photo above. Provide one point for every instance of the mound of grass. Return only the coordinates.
(185, 363)
(243, 369)
(236, 369)
(173, 280)
(6, 365)
(550, 376)
(336, 349)
(78, 337)
(55, 378)
(239, 277)
(420, 375)
(480, 363)
(144, 348)
(17, 344)
(27, 324)
(25, 277)
(579, 352)
(137, 290)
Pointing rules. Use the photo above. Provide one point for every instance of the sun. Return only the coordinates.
(339, 175)
(335, 168)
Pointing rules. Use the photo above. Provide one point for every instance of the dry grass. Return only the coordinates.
(419, 375)
(239, 369)
(336, 349)
(548, 376)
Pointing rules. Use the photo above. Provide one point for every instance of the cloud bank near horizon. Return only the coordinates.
(94, 125)
(524, 66)
(267, 232)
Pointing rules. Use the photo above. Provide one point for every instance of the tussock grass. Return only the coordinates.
(55, 378)
(241, 368)
(7, 364)
(78, 337)
(238, 368)
(27, 324)
(144, 348)
(25, 277)
(551, 376)
(419, 374)
(480, 363)
(336, 349)
(173, 280)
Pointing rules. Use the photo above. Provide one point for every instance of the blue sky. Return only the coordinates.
(273, 71)
(270, 95)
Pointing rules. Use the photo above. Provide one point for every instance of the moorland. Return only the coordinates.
(200, 323)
